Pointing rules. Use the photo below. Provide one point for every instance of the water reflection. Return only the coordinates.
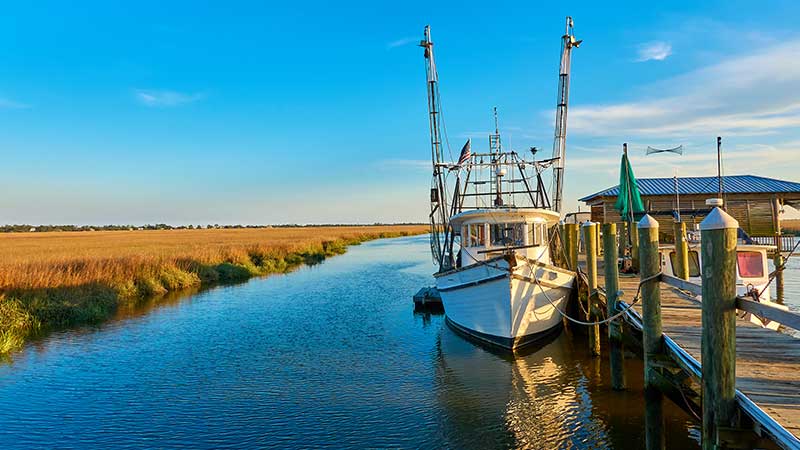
(557, 396)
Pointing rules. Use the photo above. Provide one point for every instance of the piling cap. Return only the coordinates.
(588, 223)
(647, 222)
(718, 219)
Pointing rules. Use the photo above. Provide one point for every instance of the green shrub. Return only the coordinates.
(16, 323)
(232, 272)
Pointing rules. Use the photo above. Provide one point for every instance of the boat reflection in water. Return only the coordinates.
(555, 396)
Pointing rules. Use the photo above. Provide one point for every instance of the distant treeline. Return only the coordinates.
(163, 226)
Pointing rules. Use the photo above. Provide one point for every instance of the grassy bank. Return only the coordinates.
(57, 280)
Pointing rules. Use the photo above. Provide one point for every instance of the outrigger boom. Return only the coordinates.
(560, 141)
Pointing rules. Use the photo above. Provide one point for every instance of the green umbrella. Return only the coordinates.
(629, 200)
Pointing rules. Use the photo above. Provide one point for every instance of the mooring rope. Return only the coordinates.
(656, 276)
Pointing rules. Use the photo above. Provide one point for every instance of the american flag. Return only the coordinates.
(465, 153)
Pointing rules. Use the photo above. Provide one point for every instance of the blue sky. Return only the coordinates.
(313, 112)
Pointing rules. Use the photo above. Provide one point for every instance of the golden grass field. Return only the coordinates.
(57, 279)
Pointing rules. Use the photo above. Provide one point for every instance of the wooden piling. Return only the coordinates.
(681, 251)
(599, 241)
(634, 230)
(611, 272)
(654, 438)
(571, 244)
(777, 259)
(652, 338)
(718, 344)
(558, 248)
(622, 230)
(590, 241)
(650, 292)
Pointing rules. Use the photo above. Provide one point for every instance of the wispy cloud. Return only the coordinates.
(473, 134)
(401, 42)
(165, 98)
(417, 165)
(747, 95)
(6, 103)
(654, 50)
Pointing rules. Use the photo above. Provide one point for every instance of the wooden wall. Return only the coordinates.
(753, 211)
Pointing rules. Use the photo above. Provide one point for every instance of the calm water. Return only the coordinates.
(330, 355)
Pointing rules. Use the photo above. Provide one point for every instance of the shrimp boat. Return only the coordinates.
(492, 223)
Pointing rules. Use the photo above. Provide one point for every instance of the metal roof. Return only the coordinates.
(733, 184)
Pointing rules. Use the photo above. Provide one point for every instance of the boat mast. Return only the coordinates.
(560, 143)
(495, 148)
(439, 208)
(433, 100)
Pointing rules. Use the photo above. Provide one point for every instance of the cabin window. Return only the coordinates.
(477, 235)
(750, 264)
(694, 263)
(507, 234)
(537, 234)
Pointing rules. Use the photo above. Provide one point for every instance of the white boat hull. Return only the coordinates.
(509, 308)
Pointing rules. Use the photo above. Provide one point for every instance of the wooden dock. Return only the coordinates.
(750, 388)
(767, 362)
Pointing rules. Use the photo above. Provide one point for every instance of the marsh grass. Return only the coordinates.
(57, 280)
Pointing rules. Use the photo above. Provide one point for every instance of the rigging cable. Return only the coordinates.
(441, 119)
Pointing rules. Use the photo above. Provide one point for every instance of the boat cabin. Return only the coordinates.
(751, 265)
(752, 273)
(487, 233)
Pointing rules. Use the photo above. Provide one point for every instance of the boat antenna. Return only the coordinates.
(495, 147)
(560, 142)
(678, 150)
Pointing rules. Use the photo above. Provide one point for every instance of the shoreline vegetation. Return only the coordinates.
(57, 280)
(23, 228)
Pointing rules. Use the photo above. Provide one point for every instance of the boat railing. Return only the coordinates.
(507, 248)
(787, 241)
